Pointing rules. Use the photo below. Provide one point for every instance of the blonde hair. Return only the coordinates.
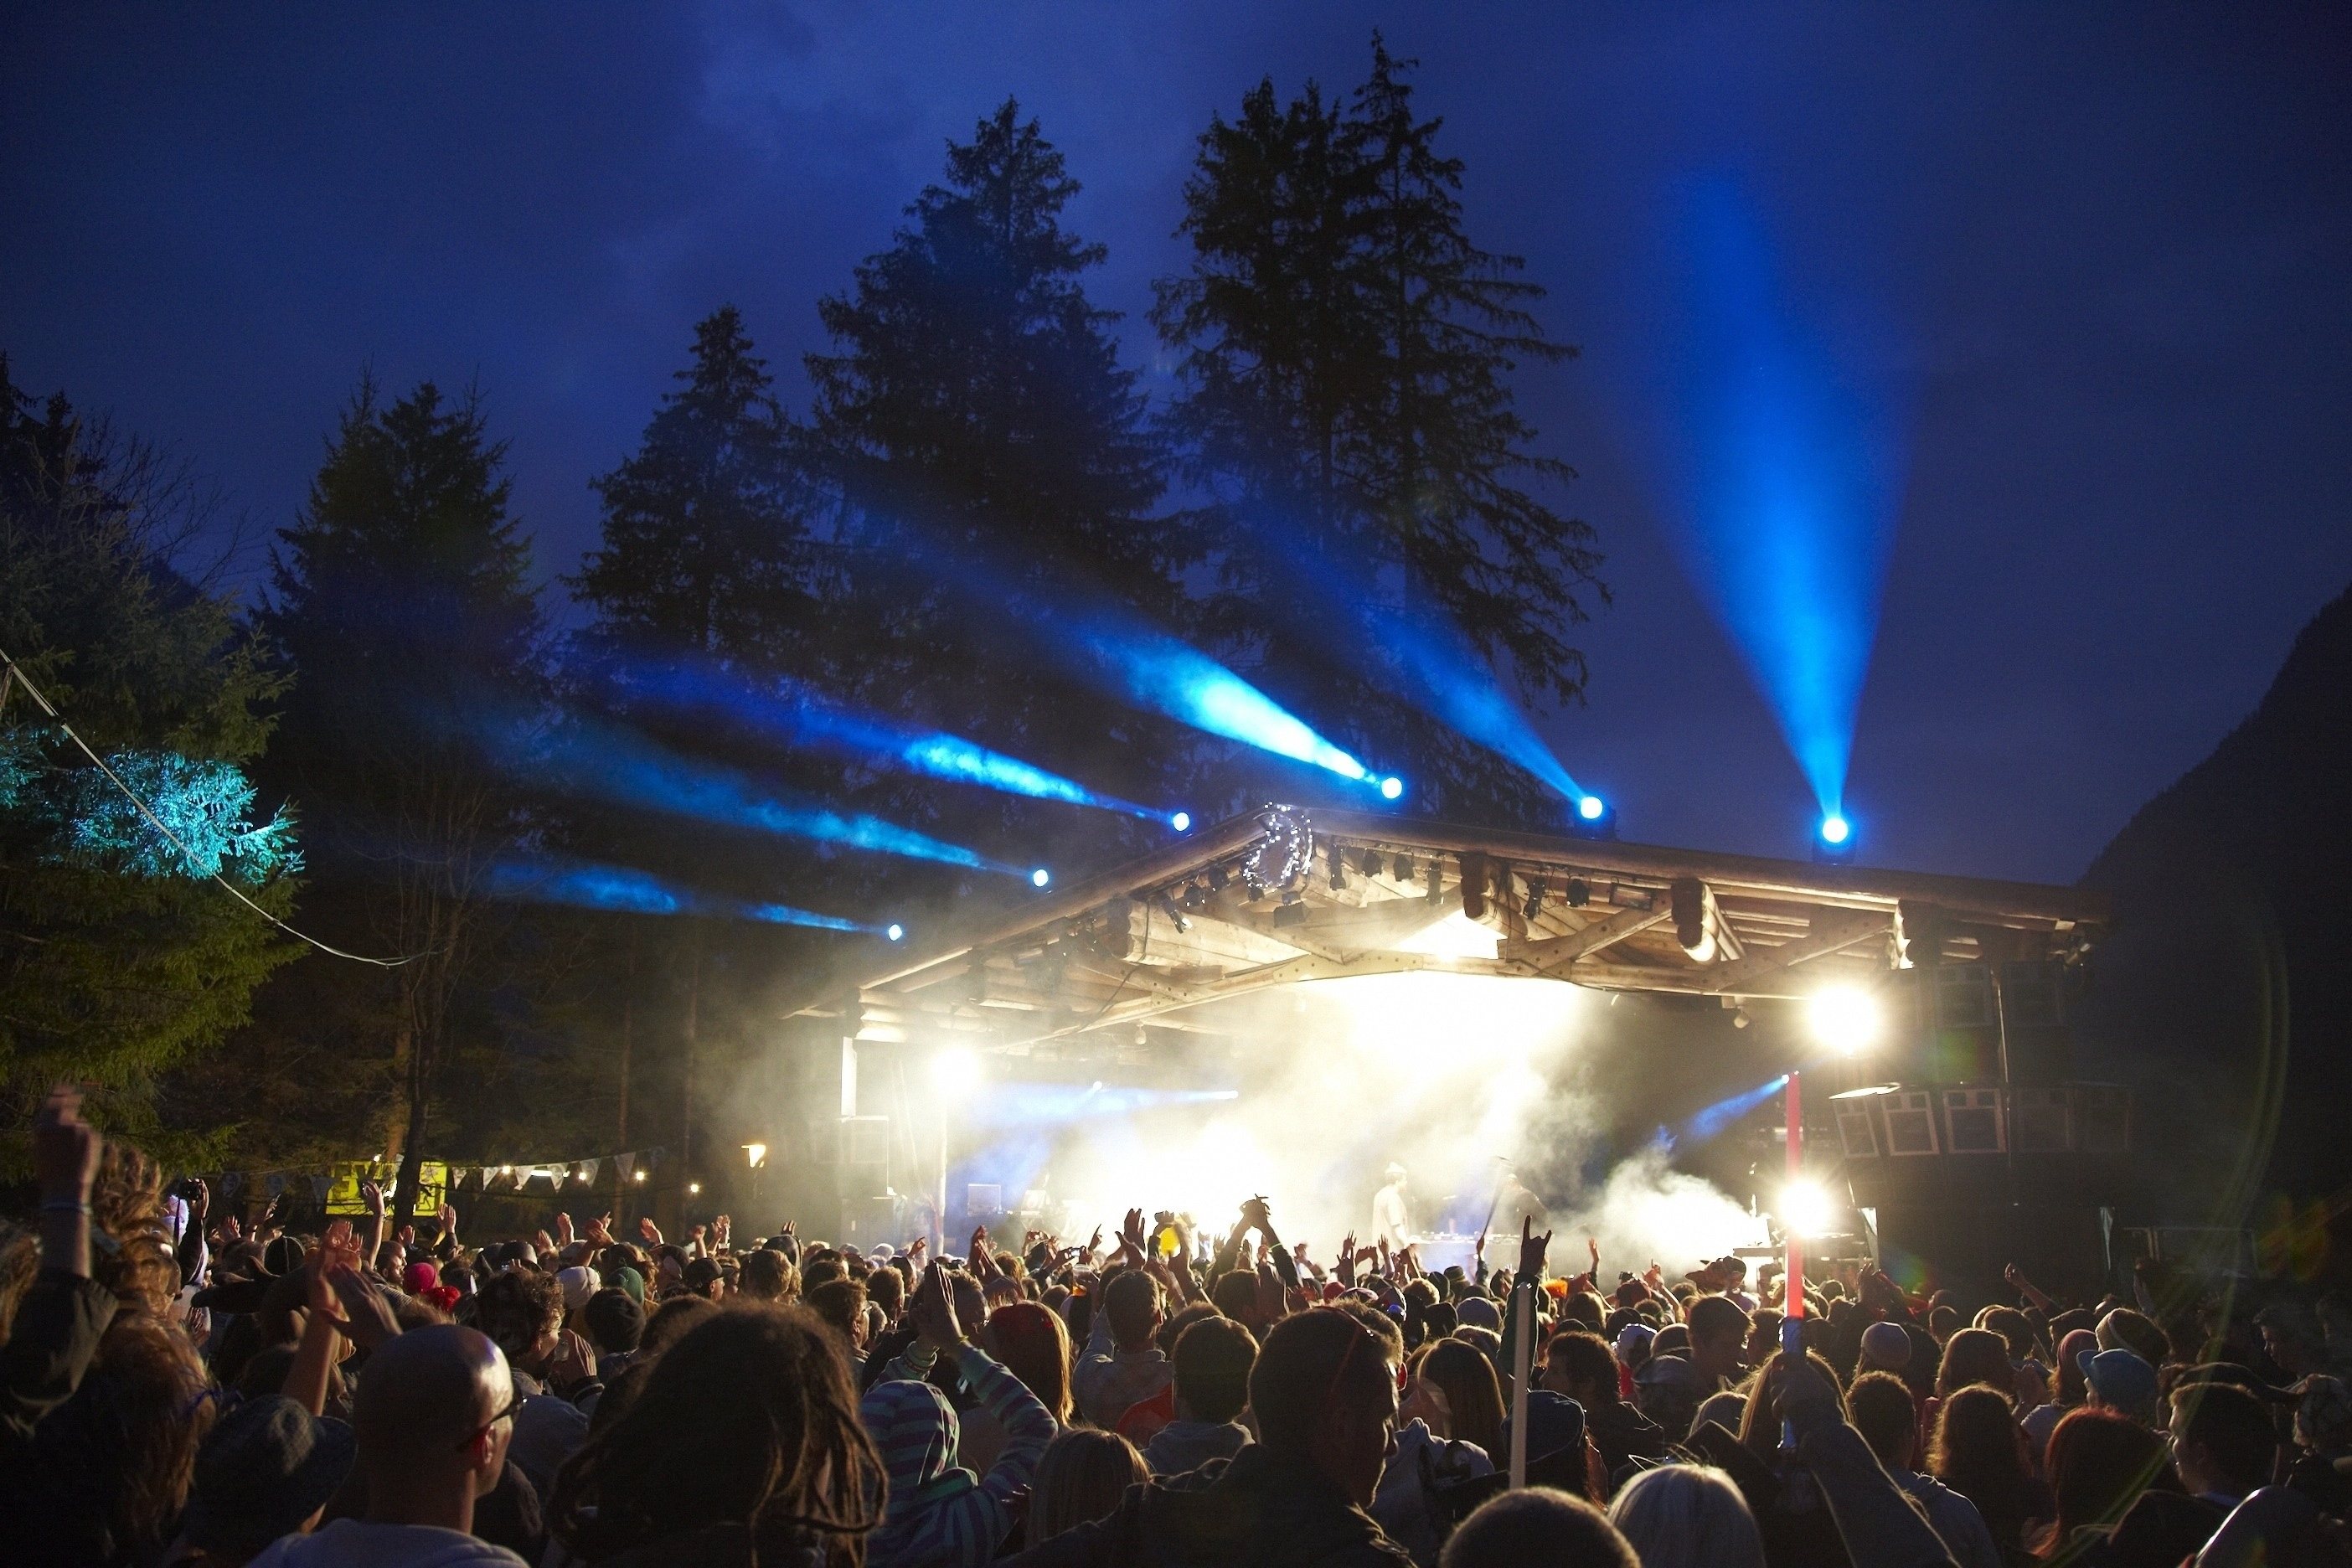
(1081, 1477)
(1687, 1516)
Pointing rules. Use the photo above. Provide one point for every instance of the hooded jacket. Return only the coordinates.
(939, 1515)
(1253, 1510)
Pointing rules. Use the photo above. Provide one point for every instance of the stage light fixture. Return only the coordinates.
(1391, 787)
(1403, 869)
(1218, 881)
(1594, 818)
(1806, 1208)
(1339, 864)
(1591, 808)
(1040, 877)
(1535, 899)
(895, 932)
(1370, 863)
(1834, 839)
(1176, 916)
(1580, 892)
(1846, 1018)
(1182, 822)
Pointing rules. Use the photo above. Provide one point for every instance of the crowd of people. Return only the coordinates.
(178, 1387)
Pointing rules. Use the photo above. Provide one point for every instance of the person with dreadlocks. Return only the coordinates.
(743, 1444)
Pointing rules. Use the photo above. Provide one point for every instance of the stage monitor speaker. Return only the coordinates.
(2103, 1118)
(2041, 1120)
(868, 1219)
(1911, 1123)
(1973, 1123)
(2033, 1022)
(1857, 1131)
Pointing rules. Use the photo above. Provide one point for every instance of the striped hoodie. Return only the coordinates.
(938, 1514)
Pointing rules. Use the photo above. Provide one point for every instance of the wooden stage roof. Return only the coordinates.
(1252, 904)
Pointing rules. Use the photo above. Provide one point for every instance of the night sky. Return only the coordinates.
(2095, 258)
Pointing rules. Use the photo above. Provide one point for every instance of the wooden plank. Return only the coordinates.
(1832, 933)
(1151, 937)
(1552, 956)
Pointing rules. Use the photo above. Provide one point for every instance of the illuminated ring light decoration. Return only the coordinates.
(1284, 849)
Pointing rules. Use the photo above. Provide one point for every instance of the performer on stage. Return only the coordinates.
(1517, 1208)
(1389, 1213)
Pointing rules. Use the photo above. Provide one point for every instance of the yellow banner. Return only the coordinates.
(343, 1187)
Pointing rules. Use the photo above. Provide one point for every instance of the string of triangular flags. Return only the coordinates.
(550, 1177)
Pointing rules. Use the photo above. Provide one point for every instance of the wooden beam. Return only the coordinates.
(1151, 937)
(1831, 933)
(1553, 956)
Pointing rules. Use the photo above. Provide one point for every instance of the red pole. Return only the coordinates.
(1793, 1283)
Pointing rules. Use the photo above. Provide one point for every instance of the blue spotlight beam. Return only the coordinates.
(624, 889)
(1706, 1123)
(1791, 452)
(795, 716)
(612, 762)
(1100, 642)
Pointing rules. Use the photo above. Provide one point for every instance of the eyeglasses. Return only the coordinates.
(475, 1434)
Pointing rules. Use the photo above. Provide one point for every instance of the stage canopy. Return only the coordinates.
(1285, 896)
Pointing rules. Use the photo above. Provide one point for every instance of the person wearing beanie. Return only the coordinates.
(1556, 1443)
(2119, 1381)
(1479, 1312)
(1885, 1348)
(269, 1468)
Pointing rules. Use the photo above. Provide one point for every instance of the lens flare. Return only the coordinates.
(1806, 1208)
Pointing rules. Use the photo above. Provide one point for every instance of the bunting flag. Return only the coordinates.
(624, 1163)
(318, 1189)
(276, 1184)
(588, 1171)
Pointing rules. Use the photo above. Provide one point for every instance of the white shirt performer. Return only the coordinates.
(1388, 1211)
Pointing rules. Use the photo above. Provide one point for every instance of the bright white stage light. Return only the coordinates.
(1391, 787)
(895, 932)
(1836, 829)
(957, 1071)
(1040, 877)
(1590, 807)
(1182, 822)
(1846, 1019)
(1806, 1209)
(757, 1154)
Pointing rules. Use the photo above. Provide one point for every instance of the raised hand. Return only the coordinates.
(372, 1198)
(200, 1202)
(1255, 1214)
(1094, 1242)
(65, 1149)
(1130, 1234)
(563, 1228)
(1346, 1268)
(648, 1232)
(933, 1311)
(448, 1218)
(600, 1231)
(916, 1247)
(1532, 1249)
(1271, 1304)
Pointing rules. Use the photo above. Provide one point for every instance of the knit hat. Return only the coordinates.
(265, 1469)
(418, 1277)
(1479, 1312)
(1554, 1422)
(631, 1282)
(1885, 1347)
(578, 1286)
(2122, 1380)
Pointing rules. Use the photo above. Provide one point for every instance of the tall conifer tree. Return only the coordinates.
(401, 603)
(1346, 405)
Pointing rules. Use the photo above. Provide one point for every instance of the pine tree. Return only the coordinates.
(705, 545)
(975, 403)
(1347, 352)
(706, 557)
(120, 960)
(400, 602)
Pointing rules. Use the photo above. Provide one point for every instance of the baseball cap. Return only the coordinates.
(2119, 1378)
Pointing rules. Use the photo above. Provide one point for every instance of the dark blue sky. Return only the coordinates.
(2096, 258)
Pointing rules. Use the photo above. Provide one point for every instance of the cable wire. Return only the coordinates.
(15, 675)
